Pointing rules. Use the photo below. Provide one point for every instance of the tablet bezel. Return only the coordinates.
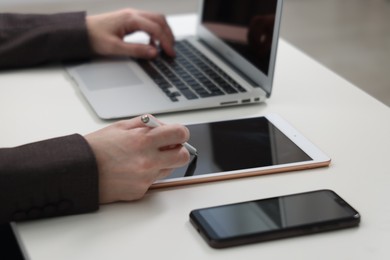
(319, 159)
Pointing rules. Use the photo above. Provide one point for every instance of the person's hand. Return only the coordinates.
(106, 33)
(131, 156)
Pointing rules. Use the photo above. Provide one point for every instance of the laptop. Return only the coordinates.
(230, 61)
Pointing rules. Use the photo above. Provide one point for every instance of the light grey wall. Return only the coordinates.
(97, 6)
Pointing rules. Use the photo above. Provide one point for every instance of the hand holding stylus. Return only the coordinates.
(130, 157)
(151, 122)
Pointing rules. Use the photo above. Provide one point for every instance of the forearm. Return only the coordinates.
(49, 178)
(31, 39)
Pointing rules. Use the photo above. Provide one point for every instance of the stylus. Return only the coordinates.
(151, 122)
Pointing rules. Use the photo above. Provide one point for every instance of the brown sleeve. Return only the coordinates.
(49, 178)
(32, 39)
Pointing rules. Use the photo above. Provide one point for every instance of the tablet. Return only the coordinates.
(243, 148)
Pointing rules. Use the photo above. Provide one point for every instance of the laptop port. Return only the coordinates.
(229, 103)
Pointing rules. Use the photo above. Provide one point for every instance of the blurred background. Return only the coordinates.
(350, 37)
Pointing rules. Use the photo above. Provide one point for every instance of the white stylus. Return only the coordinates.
(151, 122)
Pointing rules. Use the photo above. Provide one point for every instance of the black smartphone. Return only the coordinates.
(11, 246)
(273, 218)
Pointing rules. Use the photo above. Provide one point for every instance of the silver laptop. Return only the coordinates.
(230, 61)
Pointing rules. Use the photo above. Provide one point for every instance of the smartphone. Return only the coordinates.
(273, 218)
(11, 246)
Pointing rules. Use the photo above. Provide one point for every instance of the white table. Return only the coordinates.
(346, 123)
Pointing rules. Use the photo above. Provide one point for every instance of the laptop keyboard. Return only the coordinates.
(193, 74)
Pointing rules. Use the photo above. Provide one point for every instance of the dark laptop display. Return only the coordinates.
(246, 28)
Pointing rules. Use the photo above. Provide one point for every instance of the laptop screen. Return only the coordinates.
(247, 28)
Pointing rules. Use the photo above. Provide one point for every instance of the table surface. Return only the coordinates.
(346, 123)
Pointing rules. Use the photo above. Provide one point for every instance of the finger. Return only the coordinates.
(173, 158)
(135, 122)
(135, 50)
(157, 28)
(166, 31)
(160, 19)
(170, 147)
(169, 135)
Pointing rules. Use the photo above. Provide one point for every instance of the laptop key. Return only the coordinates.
(174, 96)
(188, 94)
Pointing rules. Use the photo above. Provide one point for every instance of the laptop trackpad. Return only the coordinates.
(103, 75)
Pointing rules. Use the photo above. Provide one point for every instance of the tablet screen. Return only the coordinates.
(238, 144)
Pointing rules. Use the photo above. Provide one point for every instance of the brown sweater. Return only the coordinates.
(27, 40)
(53, 177)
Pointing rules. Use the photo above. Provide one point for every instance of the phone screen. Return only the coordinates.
(239, 144)
(11, 248)
(273, 218)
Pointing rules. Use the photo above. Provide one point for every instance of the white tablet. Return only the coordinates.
(245, 147)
